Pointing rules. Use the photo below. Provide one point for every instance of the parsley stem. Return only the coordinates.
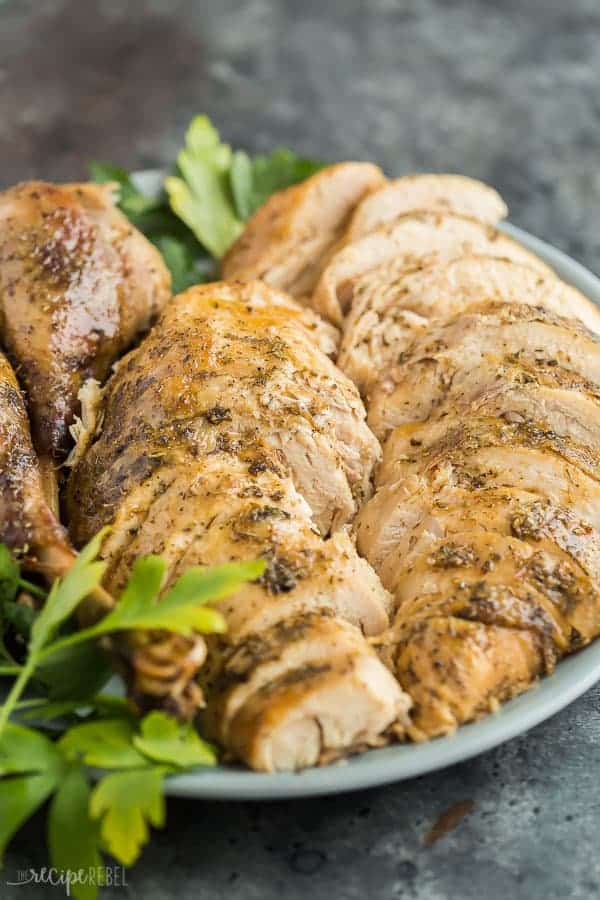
(32, 588)
(16, 690)
(10, 670)
(27, 704)
(78, 637)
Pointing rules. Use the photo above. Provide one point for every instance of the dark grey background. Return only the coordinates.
(506, 91)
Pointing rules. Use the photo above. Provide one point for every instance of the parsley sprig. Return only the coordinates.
(96, 729)
(205, 200)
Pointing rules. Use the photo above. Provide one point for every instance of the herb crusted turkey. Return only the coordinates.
(228, 435)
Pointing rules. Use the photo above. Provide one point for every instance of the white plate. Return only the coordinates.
(572, 677)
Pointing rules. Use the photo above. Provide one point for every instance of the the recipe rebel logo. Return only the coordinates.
(94, 876)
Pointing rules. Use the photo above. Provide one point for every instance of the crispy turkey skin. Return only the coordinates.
(77, 283)
(28, 525)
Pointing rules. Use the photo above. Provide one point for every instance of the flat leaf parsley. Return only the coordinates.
(131, 757)
(209, 193)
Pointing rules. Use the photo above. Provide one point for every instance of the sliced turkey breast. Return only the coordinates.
(424, 527)
(385, 320)
(452, 287)
(521, 571)
(412, 240)
(550, 403)
(444, 193)
(533, 338)
(213, 510)
(319, 713)
(217, 374)
(194, 458)
(414, 447)
(467, 536)
(259, 295)
(507, 584)
(475, 455)
(456, 670)
(303, 692)
(287, 240)
(216, 510)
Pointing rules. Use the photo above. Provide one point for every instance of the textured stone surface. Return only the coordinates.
(507, 91)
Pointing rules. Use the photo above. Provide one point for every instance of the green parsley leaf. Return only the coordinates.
(205, 200)
(106, 705)
(20, 796)
(181, 609)
(54, 709)
(84, 575)
(19, 615)
(144, 583)
(126, 803)
(254, 180)
(73, 836)
(9, 575)
(185, 261)
(201, 195)
(74, 673)
(23, 750)
(164, 740)
(132, 201)
(107, 744)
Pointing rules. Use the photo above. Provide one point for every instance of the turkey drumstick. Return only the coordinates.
(27, 524)
(77, 284)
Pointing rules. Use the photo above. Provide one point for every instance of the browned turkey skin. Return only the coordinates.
(27, 524)
(77, 284)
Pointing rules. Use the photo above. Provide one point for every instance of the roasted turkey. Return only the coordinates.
(227, 434)
(479, 369)
(392, 312)
(406, 591)
(77, 285)
(288, 240)
(378, 259)
(446, 193)
(28, 525)
(485, 522)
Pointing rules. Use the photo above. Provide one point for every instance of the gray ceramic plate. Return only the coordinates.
(571, 679)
